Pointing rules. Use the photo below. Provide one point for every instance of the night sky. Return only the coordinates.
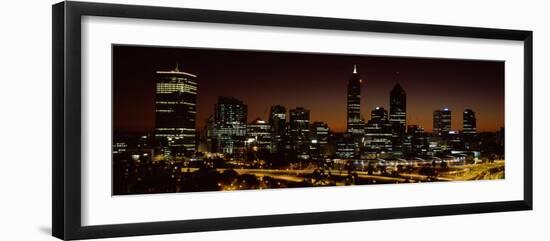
(317, 82)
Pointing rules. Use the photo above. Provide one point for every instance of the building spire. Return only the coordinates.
(354, 69)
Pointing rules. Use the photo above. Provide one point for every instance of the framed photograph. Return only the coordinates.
(169, 120)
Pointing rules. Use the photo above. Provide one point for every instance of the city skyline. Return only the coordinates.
(132, 81)
(233, 144)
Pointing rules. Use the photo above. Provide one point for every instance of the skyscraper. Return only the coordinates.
(277, 121)
(398, 105)
(442, 122)
(398, 117)
(319, 138)
(320, 132)
(469, 132)
(379, 134)
(469, 122)
(299, 130)
(230, 117)
(175, 109)
(354, 123)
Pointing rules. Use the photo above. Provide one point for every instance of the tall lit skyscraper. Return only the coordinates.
(277, 121)
(299, 130)
(468, 122)
(354, 123)
(442, 122)
(230, 117)
(175, 109)
(398, 117)
(469, 138)
(398, 105)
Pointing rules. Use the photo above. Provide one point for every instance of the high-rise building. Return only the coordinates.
(469, 133)
(230, 117)
(379, 134)
(398, 105)
(355, 124)
(320, 132)
(398, 117)
(416, 142)
(454, 142)
(319, 139)
(442, 122)
(379, 114)
(259, 135)
(468, 122)
(299, 130)
(175, 109)
(277, 121)
(345, 146)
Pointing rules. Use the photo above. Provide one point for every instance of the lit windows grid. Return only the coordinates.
(175, 107)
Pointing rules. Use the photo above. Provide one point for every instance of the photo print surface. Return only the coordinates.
(193, 119)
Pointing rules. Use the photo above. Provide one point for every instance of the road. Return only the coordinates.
(454, 173)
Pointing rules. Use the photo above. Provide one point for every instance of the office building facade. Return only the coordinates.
(230, 117)
(442, 122)
(277, 121)
(175, 109)
(355, 124)
(379, 134)
(258, 136)
(469, 122)
(300, 131)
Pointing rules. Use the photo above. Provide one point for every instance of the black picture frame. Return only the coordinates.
(66, 169)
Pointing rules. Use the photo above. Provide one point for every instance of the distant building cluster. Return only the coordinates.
(292, 134)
